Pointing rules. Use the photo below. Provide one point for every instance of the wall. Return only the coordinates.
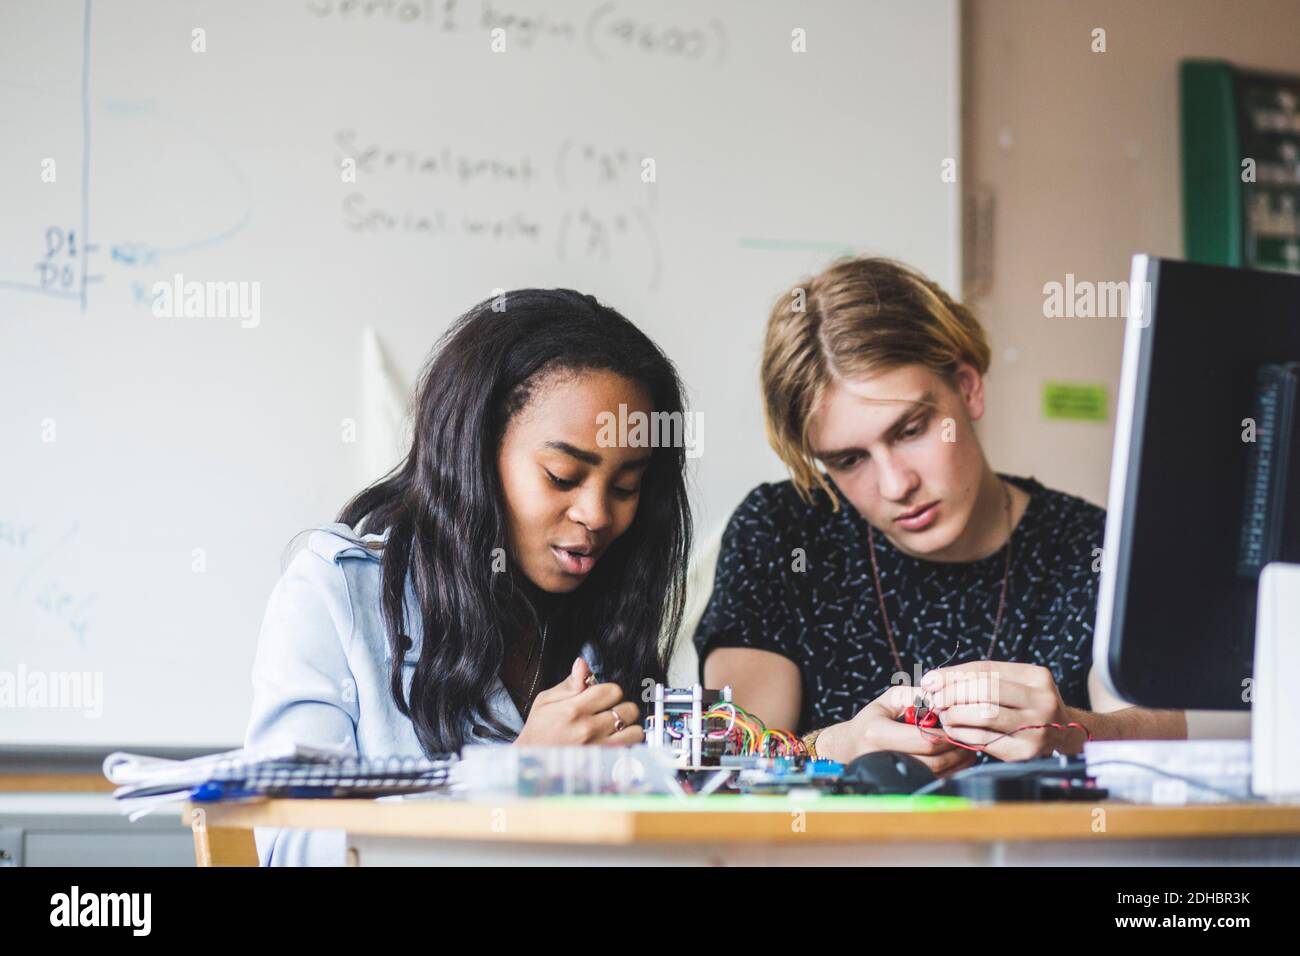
(1080, 153)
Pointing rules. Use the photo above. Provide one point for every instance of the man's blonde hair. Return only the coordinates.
(856, 318)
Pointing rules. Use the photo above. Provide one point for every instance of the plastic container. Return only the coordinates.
(499, 771)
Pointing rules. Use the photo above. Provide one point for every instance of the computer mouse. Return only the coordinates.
(885, 772)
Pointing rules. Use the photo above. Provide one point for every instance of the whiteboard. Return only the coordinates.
(157, 465)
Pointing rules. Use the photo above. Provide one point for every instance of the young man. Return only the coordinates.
(907, 558)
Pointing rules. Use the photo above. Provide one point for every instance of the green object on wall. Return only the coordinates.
(1084, 403)
(1212, 193)
(1241, 166)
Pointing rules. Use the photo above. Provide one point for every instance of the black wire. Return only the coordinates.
(1243, 797)
(1004, 768)
(1009, 768)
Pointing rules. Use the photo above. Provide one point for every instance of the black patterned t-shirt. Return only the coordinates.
(796, 579)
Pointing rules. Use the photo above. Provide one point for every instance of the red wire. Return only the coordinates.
(980, 748)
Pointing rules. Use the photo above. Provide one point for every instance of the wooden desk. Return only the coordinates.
(55, 783)
(775, 830)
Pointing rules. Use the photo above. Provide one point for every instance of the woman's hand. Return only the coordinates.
(572, 713)
(876, 727)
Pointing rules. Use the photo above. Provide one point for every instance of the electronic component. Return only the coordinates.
(678, 725)
(1057, 778)
(769, 775)
(699, 727)
(921, 714)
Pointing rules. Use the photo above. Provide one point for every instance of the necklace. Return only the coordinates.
(528, 705)
(1002, 601)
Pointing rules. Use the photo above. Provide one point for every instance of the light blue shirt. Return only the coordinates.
(320, 676)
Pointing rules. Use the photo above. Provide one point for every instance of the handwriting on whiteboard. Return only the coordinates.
(40, 582)
(605, 30)
(607, 214)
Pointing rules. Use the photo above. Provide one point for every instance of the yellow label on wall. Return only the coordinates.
(1084, 403)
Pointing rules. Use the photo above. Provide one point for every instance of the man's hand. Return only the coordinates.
(876, 727)
(981, 702)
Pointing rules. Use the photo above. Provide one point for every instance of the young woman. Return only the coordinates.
(511, 579)
(904, 554)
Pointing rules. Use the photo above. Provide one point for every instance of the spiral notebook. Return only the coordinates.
(273, 771)
(345, 777)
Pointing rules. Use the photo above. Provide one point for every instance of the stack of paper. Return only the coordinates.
(144, 782)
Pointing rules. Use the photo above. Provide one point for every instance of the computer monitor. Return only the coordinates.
(1205, 481)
